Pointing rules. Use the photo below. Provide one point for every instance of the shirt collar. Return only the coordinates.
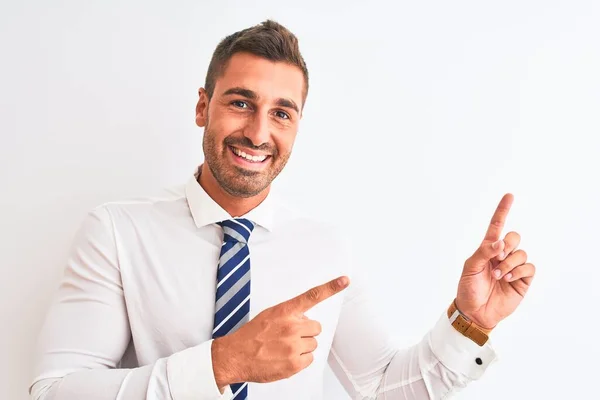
(206, 211)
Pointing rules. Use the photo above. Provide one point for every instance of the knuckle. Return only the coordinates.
(497, 223)
(514, 236)
(296, 364)
(288, 329)
(332, 286)
(264, 323)
(505, 267)
(522, 253)
(318, 328)
(274, 312)
(284, 311)
(289, 349)
(313, 294)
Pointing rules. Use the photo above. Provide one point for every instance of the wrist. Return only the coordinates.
(222, 364)
(465, 326)
(472, 318)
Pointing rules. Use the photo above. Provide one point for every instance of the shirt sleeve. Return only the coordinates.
(86, 333)
(441, 364)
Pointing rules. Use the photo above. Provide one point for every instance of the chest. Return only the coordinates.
(170, 287)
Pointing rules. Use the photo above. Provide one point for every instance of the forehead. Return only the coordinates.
(269, 79)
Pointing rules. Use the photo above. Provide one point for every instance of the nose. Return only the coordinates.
(257, 129)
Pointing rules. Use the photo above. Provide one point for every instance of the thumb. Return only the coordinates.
(483, 255)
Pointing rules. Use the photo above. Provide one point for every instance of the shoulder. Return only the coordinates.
(166, 201)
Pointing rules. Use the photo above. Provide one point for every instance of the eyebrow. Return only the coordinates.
(250, 94)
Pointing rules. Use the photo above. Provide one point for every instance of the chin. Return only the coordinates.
(242, 192)
(244, 184)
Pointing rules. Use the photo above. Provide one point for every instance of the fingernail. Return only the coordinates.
(501, 256)
(508, 276)
(497, 273)
(496, 245)
(342, 281)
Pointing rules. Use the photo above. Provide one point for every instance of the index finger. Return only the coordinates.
(314, 296)
(497, 223)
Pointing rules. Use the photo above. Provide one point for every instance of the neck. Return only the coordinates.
(235, 206)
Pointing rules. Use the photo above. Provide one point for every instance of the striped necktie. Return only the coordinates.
(232, 308)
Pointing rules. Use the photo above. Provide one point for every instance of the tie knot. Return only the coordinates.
(236, 230)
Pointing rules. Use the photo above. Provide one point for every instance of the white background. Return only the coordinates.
(420, 116)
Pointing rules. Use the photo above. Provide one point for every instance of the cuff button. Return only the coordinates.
(478, 361)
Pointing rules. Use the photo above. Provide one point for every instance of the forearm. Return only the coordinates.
(96, 384)
(183, 375)
(371, 366)
(419, 373)
(410, 374)
(441, 364)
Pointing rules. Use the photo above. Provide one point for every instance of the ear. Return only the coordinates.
(202, 108)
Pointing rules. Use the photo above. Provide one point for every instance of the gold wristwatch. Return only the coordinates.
(465, 326)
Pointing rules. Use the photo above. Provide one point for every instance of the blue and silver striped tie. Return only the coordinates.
(232, 309)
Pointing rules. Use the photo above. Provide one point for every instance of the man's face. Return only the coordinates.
(251, 122)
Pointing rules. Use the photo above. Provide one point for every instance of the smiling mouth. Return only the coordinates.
(247, 157)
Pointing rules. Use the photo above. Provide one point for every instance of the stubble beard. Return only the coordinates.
(237, 181)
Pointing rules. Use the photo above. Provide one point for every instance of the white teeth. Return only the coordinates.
(248, 156)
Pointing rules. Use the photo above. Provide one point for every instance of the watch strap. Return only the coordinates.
(467, 327)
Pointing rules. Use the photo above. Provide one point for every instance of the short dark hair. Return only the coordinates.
(269, 40)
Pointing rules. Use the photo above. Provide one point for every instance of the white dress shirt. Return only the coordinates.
(133, 316)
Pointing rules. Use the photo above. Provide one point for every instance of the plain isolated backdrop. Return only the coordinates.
(420, 116)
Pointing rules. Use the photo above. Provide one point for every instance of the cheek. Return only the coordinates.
(284, 141)
(226, 124)
(221, 127)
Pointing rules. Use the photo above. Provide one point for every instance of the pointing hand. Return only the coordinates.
(497, 276)
(274, 345)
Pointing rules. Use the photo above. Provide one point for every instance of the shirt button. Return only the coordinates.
(478, 361)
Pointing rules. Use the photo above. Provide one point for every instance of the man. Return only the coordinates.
(218, 291)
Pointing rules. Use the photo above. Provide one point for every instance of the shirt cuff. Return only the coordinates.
(191, 376)
(459, 353)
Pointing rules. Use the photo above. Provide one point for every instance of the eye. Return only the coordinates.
(282, 115)
(239, 104)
